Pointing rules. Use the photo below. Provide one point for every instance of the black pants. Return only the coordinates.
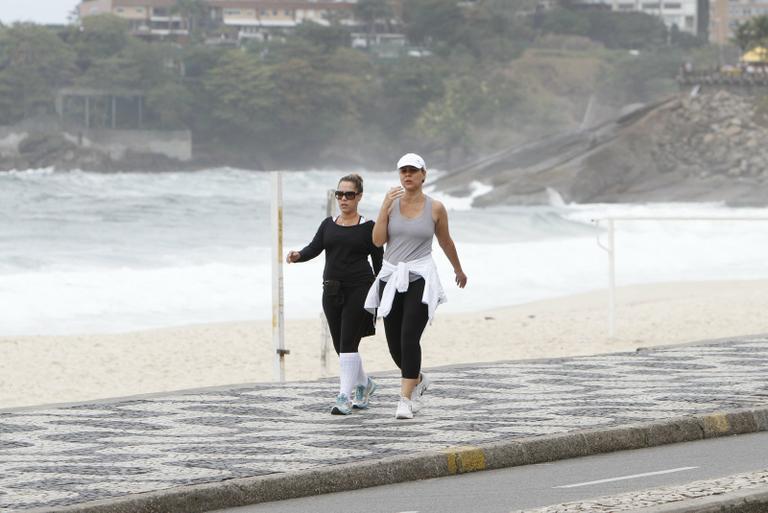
(404, 326)
(347, 318)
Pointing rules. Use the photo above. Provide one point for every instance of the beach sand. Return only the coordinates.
(52, 369)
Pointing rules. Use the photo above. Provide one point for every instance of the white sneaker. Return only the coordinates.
(404, 409)
(418, 393)
(421, 387)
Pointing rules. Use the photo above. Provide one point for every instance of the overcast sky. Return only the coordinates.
(39, 11)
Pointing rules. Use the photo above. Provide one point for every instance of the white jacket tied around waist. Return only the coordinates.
(397, 279)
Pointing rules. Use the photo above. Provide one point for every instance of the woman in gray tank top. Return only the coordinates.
(407, 290)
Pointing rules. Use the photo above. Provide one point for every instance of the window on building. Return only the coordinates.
(119, 9)
(274, 12)
(651, 6)
(673, 6)
(232, 12)
(626, 7)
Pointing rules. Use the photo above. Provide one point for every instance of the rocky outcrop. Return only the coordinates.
(711, 147)
(713, 135)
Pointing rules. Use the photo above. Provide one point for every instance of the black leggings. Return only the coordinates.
(404, 326)
(347, 317)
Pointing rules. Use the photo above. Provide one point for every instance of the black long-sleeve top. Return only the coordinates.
(346, 252)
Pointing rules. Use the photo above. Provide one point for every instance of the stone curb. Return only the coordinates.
(430, 464)
(742, 501)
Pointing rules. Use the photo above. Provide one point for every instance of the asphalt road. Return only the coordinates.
(502, 491)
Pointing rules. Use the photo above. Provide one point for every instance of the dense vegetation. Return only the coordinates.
(487, 75)
(752, 33)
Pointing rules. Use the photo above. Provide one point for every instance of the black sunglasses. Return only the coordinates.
(350, 195)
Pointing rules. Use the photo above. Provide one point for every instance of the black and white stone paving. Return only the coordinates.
(80, 453)
(654, 497)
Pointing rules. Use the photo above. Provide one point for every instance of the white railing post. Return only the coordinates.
(278, 310)
(611, 280)
(611, 250)
(325, 332)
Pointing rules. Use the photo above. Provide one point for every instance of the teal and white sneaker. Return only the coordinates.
(343, 405)
(363, 393)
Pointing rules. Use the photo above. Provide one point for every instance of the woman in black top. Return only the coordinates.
(347, 241)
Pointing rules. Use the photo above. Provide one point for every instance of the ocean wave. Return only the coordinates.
(89, 252)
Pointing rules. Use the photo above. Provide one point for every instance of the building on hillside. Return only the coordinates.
(232, 19)
(726, 15)
(148, 18)
(266, 19)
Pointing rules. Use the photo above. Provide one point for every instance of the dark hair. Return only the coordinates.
(355, 179)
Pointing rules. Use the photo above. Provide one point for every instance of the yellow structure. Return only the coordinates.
(758, 55)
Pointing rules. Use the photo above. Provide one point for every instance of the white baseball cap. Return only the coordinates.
(411, 159)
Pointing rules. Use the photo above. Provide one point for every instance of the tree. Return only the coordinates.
(495, 30)
(682, 39)
(240, 96)
(371, 12)
(628, 30)
(445, 121)
(170, 105)
(34, 63)
(433, 21)
(328, 38)
(752, 33)
(140, 65)
(318, 99)
(406, 88)
(196, 14)
(565, 21)
(99, 37)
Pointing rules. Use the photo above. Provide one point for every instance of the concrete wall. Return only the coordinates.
(172, 144)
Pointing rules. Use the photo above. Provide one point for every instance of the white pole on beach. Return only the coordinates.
(325, 333)
(611, 250)
(278, 311)
(611, 280)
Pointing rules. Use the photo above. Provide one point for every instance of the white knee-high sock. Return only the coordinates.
(348, 365)
(362, 377)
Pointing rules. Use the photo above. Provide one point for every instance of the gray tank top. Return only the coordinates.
(409, 239)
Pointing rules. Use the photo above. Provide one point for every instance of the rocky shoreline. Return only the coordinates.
(710, 135)
(45, 150)
(709, 147)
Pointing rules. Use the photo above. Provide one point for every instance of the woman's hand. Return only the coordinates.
(392, 195)
(292, 257)
(461, 279)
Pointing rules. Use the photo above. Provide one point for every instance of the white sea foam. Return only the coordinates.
(84, 252)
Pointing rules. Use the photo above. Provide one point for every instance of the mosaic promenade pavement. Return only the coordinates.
(80, 453)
